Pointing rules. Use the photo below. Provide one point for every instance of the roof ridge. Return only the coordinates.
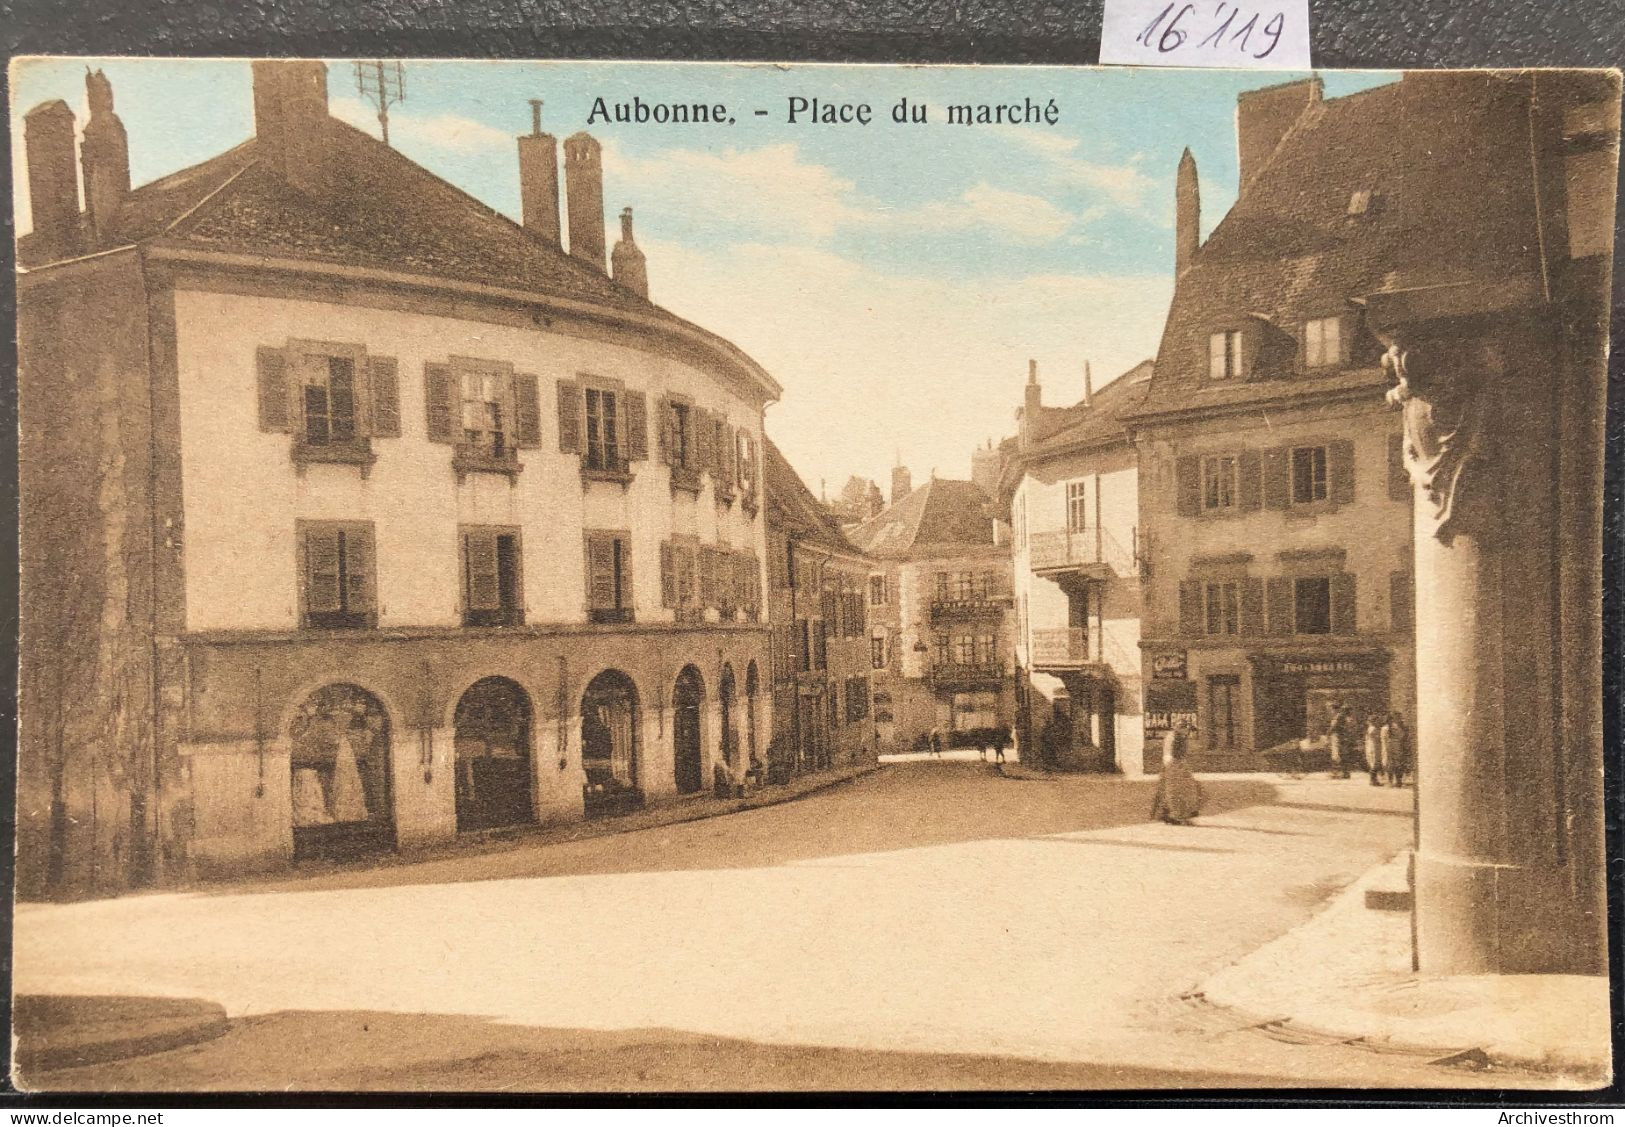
(172, 226)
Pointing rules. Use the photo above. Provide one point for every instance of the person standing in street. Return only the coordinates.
(1396, 744)
(1179, 796)
(936, 743)
(1338, 738)
(1374, 760)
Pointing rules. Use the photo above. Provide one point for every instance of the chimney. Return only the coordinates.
(104, 155)
(1187, 214)
(53, 178)
(901, 483)
(291, 120)
(985, 464)
(876, 501)
(539, 179)
(630, 269)
(1263, 118)
(584, 198)
(1088, 386)
(1035, 395)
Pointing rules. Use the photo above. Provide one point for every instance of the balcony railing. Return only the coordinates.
(992, 601)
(1066, 645)
(1092, 548)
(967, 673)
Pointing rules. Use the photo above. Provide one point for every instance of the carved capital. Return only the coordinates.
(1444, 425)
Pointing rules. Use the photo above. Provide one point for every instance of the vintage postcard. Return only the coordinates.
(596, 577)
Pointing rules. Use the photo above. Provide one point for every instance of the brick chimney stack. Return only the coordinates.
(584, 198)
(631, 270)
(539, 179)
(1187, 214)
(104, 156)
(53, 177)
(1088, 386)
(291, 121)
(901, 483)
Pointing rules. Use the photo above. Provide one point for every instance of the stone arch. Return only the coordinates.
(688, 728)
(339, 761)
(492, 725)
(610, 743)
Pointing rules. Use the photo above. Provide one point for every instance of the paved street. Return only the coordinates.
(929, 925)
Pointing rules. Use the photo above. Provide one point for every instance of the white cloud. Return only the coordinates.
(1020, 216)
(874, 363)
(444, 133)
(1125, 184)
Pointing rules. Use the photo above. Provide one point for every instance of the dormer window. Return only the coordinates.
(1224, 358)
(1322, 342)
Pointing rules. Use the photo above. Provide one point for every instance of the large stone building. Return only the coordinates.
(1071, 487)
(817, 583)
(1441, 243)
(939, 613)
(354, 515)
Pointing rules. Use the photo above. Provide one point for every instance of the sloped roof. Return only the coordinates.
(792, 508)
(942, 513)
(1446, 156)
(1101, 420)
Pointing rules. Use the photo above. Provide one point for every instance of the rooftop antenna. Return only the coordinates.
(384, 85)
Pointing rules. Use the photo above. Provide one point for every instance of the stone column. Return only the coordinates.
(1498, 879)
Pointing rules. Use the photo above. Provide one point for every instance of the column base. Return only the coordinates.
(1478, 917)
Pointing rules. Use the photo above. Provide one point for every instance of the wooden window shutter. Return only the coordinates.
(1277, 477)
(527, 410)
(1399, 479)
(668, 575)
(637, 425)
(1188, 483)
(384, 393)
(1190, 606)
(272, 374)
(1252, 606)
(439, 408)
(622, 557)
(700, 424)
(480, 565)
(358, 569)
(663, 425)
(1278, 595)
(1343, 616)
(1401, 602)
(322, 570)
(1250, 478)
(708, 578)
(569, 403)
(1340, 468)
(600, 572)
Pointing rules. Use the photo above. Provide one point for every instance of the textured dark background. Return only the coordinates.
(1349, 33)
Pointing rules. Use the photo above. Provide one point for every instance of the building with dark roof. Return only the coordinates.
(376, 516)
(823, 656)
(939, 613)
(1070, 485)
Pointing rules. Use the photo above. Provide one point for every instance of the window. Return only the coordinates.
(337, 575)
(1218, 482)
(1321, 342)
(1224, 355)
(834, 701)
(965, 649)
(491, 587)
(682, 435)
(328, 400)
(939, 647)
(1312, 605)
(604, 451)
(986, 649)
(943, 590)
(1222, 607)
(1222, 693)
(1308, 474)
(877, 653)
(609, 577)
(1077, 516)
(820, 647)
(966, 587)
(745, 457)
(484, 423)
(877, 590)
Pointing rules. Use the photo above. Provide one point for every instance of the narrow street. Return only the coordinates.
(930, 925)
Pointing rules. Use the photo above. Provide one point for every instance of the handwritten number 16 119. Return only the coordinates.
(1172, 36)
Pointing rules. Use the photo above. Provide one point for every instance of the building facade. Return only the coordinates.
(940, 623)
(390, 519)
(822, 687)
(1071, 487)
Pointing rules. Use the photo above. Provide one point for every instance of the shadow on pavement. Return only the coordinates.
(909, 806)
(371, 1051)
(57, 1031)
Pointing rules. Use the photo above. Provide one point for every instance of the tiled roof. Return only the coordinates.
(1446, 157)
(792, 508)
(942, 513)
(1101, 419)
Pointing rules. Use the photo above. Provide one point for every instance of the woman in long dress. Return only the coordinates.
(1179, 795)
(345, 794)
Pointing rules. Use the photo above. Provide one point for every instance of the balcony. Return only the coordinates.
(1092, 552)
(968, 676)
(989, 603)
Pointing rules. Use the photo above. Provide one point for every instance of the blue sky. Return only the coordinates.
(895, 278)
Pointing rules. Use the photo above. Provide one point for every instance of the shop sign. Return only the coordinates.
(1169, 703)
(1168, 666)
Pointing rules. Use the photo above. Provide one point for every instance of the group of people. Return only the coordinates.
(994, 740)
(1386, 746)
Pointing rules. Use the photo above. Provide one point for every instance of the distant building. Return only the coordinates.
(1071, 487)
(356, 516)
(858, 501)
(939, 614)
(822, 693)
